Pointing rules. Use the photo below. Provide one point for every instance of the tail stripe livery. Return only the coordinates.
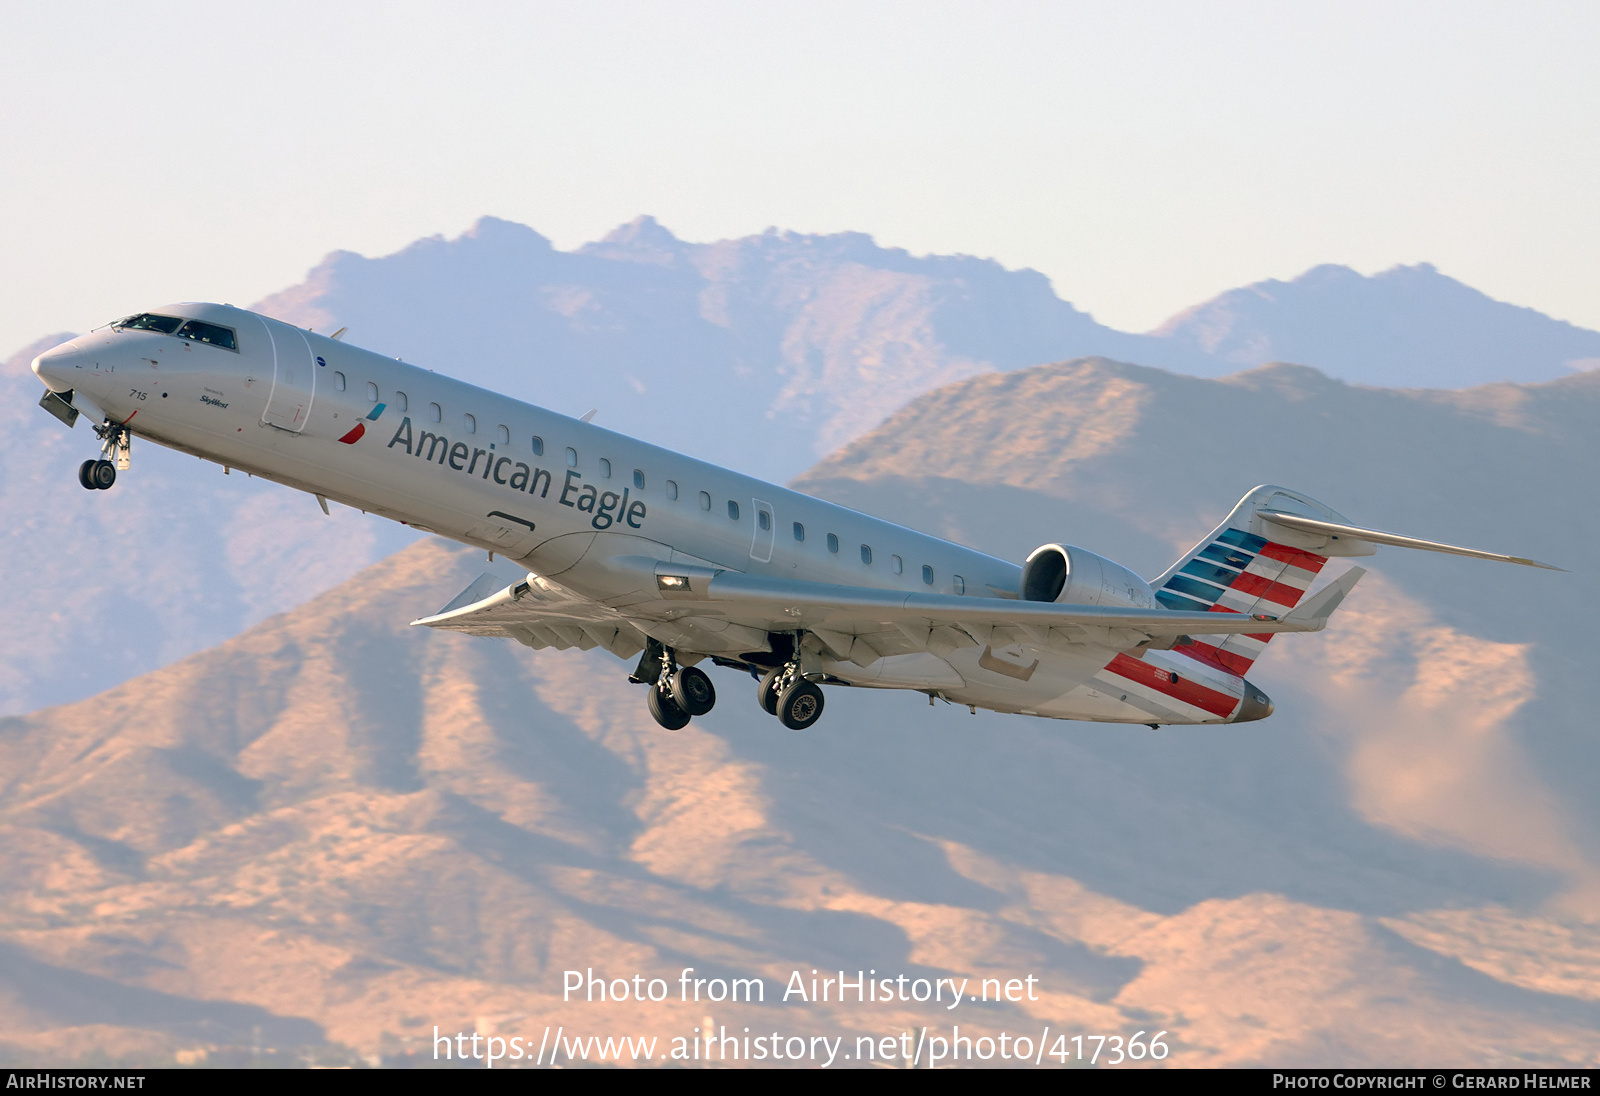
(1239, 572)
(1168, 686)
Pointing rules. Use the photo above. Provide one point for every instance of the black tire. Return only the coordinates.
(767, 691)
(84, 471)
(692, 690)
(104, 474)
(800, 706)
(665, 711)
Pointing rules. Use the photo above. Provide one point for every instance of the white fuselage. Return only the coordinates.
(560, 495)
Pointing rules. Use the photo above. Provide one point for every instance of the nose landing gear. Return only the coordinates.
(115, 440)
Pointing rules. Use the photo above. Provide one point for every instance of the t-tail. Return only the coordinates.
(1263, 559)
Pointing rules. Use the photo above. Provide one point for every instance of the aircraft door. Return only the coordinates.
(294, 377)
(765, 527)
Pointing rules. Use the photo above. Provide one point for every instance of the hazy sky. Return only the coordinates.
(1143, 155)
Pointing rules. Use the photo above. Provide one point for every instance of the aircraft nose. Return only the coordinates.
(1256, 705)
(57, 367)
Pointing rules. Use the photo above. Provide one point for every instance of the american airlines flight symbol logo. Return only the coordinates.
(361, 427)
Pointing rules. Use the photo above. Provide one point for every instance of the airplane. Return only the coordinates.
(668, 561)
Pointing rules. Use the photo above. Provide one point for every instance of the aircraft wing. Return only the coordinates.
(791, 604)
(541, 613)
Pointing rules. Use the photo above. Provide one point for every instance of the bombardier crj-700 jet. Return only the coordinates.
(667, 561)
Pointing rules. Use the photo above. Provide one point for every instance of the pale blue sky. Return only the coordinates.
(1143, 155)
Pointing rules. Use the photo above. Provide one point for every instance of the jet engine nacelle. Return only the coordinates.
(1067, 575)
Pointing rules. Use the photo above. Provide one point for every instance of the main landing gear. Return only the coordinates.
(796, 702)
(115, 440)
(677, 693)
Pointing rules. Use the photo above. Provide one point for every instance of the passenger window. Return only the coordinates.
(572, 457)
(146, 321)
(401, 403)
(799, 531)
(338, 381)
(866, 553)
(733, 510)
(471, 423)
(958, 583)
(833, 544)
(208, 333)
(435, 412)
(505, 435)
(638, 479)
(605, 468)
(672, 489)
(897, 565)
(538, 446)
(927, 574)
(705, 501)
(764, 520)
(372, 392)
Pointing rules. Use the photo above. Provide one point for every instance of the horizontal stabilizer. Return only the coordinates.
(1378, 536)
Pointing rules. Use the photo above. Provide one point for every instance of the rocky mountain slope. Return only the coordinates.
(336, 832)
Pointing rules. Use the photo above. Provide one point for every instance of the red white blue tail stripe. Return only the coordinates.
(1233, 571)
(1238, 572)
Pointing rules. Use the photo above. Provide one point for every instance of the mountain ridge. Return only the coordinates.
(1347, 323)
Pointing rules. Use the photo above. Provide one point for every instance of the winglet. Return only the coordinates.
(485, 587)
(1320, 606)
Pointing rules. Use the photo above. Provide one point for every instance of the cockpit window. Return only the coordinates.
(209, 333)
(149, 321)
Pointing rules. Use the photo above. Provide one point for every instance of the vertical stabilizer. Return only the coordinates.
(1248, 565)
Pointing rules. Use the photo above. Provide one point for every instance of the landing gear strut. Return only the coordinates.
(115, 440)
(677, 693)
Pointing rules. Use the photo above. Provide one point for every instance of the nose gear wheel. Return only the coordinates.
(97, 475)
